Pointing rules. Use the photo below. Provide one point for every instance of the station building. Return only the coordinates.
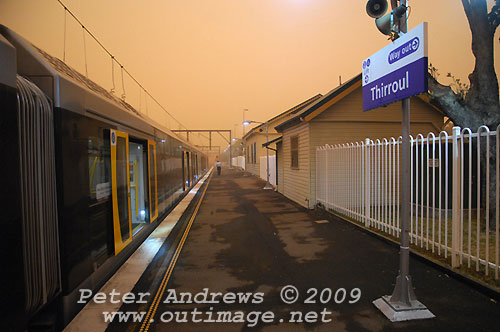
(253, 141)
(337, 118)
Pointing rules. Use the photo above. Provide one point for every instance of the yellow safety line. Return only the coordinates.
(154, 306)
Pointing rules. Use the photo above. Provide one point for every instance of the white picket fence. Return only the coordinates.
(451, 215)
(272, 169)
(238, 161)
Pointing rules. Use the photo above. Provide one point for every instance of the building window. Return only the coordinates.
(294, 142)
(255, 153)
(251, 153)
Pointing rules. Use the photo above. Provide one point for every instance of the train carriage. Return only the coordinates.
(87, 179)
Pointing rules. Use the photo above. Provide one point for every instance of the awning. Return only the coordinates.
(276, 140)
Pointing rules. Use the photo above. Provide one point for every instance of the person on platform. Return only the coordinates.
(218, 164)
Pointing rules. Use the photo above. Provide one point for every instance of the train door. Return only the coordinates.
(183, 171)
(137, 170)
(197, 171)
(186, 172)
(120, 180)
(189, 162)
(153, 182)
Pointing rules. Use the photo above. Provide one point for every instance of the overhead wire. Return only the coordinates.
(85, 52)
(113, 74)
(64, 45)
(121, 65)
(123, 85)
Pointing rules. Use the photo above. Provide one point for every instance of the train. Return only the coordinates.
(85, 178)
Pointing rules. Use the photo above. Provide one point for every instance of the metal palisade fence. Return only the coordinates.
(454, 191)
(272, 169)
(238, 161)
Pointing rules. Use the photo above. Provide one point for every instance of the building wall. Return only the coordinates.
(259, 139)
(350, 109)
(296, 182)
(345, 122)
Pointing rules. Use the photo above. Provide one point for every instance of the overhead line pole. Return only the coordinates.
(210, 131)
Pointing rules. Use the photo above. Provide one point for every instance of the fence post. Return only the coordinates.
(367, 182)
(455, 201)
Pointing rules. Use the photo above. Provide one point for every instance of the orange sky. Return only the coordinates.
(207, 60)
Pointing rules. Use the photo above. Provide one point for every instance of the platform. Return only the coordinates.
(238, 241)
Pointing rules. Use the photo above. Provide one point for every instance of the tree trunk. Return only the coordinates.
(481, 105)
(482, 97)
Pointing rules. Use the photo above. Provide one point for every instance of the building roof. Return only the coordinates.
(321, 104)
(276, 140)
(290, 112)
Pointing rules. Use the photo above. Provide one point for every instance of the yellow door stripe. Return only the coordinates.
(120, 243)
(159, 294)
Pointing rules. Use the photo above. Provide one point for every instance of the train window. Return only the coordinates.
(153, 192)
(121, 185)
(121, 189)
(99, 177)
(138, 154)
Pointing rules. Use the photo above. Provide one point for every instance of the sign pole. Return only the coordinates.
(403, 291)
(403, 305)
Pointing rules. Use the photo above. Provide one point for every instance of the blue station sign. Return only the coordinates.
(397, 71)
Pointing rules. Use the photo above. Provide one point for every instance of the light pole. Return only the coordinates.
(243, 123)
(231, 145)
(244, 142)
(268, 184)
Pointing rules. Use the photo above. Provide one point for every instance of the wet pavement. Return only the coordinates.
(246, 240)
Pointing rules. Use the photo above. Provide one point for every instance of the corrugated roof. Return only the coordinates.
(63, 68)
(293, 110)
(277, 139)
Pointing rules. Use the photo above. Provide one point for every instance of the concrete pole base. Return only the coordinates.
(399, 312)
(268, 186)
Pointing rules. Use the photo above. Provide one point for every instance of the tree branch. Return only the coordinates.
(494, 16)
(446, 100)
